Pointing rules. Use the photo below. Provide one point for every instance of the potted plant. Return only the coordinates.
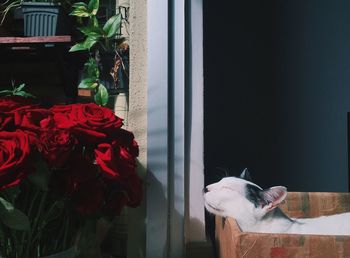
(100, 42)
(41, 17)
(63, 170)
(44, 18)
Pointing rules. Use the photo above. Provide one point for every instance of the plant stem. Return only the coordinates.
(66, 232)
(25, 242)
(35, 224)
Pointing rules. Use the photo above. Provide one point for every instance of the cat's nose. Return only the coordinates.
(205, 190)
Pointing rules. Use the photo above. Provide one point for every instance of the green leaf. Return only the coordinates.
(80, 9)
(112, 26)
(79, 5)
(20, 87)
(78, 47)
(6, 205)
(6, 92)
(12, 217)
(93, 6)
(92, 31)
(94, 21)
(24, 94)
(80, 13)
(91, 69)
(12, 193)
(88, 83)
(101, 96)
(90, 41)
(86, 45)
(15, 219)
(28, 95)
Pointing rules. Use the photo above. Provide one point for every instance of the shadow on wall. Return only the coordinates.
(137, 223)
(200, 249)
(158, 224)
(156, 218)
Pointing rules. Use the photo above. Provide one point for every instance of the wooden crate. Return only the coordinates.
(233, 243)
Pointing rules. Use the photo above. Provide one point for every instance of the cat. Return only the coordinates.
(256, 210)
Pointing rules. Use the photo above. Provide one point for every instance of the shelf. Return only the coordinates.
(39, 62)
(35, 40)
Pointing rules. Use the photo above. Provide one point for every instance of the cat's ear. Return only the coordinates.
(273, 196)
(246, 175)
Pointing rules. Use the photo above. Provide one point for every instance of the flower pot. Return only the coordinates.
(89, 93)
(43, 19)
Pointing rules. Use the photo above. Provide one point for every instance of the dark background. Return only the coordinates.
(277, 91)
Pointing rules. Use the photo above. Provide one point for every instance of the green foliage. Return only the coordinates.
(93, 6)
(101, 96)
(94, 33)
(96, 36)
(9, 215)
(80, 9)
(91, 68)
(88, 83)
(112, 26)
(17, 91)
(12, 217)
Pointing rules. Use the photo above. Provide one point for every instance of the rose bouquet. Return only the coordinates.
(61, 168)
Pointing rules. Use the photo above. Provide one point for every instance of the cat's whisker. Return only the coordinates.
(225, 170)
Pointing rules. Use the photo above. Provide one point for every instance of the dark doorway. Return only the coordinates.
(277, 92)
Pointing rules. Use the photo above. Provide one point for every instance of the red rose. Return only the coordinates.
(82, 169)
(34, 120)
(118, 165)
(89, 196)
(6, 122)
(14, 153)
(90, 122)
(12, 103)
(107, 159)
(56, 146)
(115, 161)
(126, 139)
(119, 158)
(67, 181)
(128, 192)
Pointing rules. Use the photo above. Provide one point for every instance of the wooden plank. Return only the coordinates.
(24, 40)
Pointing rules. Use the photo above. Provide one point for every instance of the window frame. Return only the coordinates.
(175, 127)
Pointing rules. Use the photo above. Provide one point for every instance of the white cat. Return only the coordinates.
(256, 210)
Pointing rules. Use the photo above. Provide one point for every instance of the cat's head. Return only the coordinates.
(241, 199)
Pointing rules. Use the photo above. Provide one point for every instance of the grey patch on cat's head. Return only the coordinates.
(253, 192)
(261, 198)
(254, 195)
